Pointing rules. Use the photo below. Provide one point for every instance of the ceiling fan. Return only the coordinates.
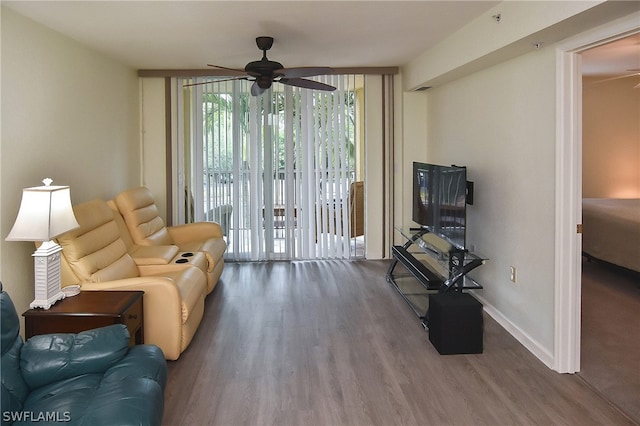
(265, 72)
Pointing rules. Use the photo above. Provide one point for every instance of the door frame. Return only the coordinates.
(568, 197)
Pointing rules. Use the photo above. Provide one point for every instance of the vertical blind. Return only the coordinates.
(277, 171)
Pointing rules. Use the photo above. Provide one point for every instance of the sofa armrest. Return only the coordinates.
(162, 309)
(50, 358)
(197, 231)
(141, 361)
(153, 255)
(132, 392)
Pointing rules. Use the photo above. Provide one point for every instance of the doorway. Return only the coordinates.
(569, 191)
(611, 179)
(568, 239)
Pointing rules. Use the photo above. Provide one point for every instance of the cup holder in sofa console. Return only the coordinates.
(187, 258)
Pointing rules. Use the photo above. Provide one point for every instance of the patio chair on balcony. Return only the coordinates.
(356, 209)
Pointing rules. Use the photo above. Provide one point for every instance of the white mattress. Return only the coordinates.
(611, 230)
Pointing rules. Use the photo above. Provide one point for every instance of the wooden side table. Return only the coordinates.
(87, 310)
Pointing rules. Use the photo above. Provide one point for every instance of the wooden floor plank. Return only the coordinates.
(610, 338)
(331, 343)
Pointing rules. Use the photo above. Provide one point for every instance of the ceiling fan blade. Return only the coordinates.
(307, 84)
(233, 70)
(303, 72)
(215, 81)
(635, 74)
(257, 90)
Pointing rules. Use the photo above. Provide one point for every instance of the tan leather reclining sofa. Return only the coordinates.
(102, 255)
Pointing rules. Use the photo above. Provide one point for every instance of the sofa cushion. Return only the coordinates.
(53, 357)
(142, 217)
(144, 400)
(95, 251)
(73, 393)
(140, 376)
(94, 399)
(124, 231)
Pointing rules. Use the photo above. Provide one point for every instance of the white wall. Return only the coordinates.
(410, 147)
(500, 123)
(68, 113)
(495, 112)
(611, 138)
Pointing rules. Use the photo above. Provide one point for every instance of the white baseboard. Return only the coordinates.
(527, 341)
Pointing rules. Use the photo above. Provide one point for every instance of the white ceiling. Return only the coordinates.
(184, 34)
(190, 34)
(616, 58)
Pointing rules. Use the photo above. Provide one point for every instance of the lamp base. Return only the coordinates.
(47, 303)
(47, 275)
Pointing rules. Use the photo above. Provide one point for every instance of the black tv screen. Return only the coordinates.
(439, 200)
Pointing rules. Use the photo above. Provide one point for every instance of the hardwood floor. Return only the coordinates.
(610, 346)
(331, 343)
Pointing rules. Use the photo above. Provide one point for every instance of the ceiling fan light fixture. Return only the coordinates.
(263, 82)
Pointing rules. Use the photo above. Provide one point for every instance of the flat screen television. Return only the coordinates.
(440, 200)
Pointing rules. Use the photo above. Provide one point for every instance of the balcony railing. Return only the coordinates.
(227, 197)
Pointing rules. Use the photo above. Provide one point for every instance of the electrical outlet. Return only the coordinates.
(513, 274)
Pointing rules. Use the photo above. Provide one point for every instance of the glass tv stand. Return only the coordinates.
(431, 265)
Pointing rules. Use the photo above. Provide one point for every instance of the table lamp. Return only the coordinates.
(45, 212)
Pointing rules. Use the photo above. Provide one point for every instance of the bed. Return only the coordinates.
(611, 230)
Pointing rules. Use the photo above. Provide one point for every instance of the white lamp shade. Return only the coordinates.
(45, 212)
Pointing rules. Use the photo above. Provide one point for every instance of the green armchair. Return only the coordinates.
(89, 378)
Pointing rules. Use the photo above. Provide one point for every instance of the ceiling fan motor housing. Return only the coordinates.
(263, 68)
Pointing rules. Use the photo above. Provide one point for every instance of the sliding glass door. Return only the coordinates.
(280, 172)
